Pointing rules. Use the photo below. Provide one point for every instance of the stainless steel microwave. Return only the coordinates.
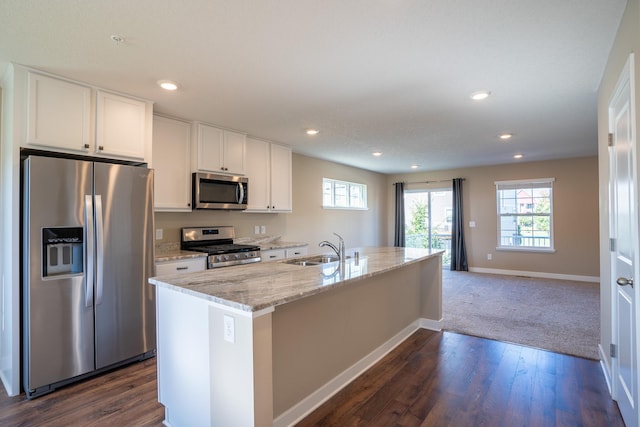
(212, 191)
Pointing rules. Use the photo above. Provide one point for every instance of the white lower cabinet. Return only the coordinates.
(190, 265)
(278, 254)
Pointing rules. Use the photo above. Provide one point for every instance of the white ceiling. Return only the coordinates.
(388, 75)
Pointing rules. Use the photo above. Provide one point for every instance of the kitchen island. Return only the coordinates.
(264, 344)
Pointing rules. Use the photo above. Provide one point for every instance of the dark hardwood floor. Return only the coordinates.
(432, 379)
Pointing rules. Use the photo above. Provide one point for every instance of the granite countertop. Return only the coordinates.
(177, 254)
(281, 245)
(259, 286)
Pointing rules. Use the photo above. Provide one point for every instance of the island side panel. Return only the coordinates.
(431, 299)
(317, 338)
(240, 371)
(183, 358)
(203, 378)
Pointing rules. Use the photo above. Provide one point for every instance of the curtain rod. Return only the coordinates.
(428, 182)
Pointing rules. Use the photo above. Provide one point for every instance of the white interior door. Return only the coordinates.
(624, 229)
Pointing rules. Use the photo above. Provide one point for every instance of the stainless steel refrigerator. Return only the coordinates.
(87, 254)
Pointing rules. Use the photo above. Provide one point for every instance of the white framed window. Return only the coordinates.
(343, 195)
(525, 214)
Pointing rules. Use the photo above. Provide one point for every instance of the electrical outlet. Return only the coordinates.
(256, 229)
(159, 233)
(229, 329)
(489, 257)
(263, 229)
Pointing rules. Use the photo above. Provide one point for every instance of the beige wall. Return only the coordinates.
(308, 222)
(575, 204)
(627, 41)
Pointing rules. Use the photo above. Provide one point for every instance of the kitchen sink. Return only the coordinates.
(314, 260)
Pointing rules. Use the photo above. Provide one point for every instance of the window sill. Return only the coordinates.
(345, 208)
(525, 249)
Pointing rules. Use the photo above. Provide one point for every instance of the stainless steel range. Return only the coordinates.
(218, 243)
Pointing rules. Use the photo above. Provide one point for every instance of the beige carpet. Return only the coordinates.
(557, 315)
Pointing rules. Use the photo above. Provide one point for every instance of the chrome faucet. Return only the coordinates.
(339, 250)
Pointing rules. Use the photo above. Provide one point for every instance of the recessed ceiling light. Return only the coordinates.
(414, 166)
(505, 136)
(168, 84)
(518, 156)
(312, 131)
(377, 153)
(480, 95)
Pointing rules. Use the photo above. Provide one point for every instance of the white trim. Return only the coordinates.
(525, 249)
(525, 181)
(432, 325)
(606, 368)
(592, 279)
(325, 392)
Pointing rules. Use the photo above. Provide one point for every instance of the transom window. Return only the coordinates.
(343, 195)
(525, 214)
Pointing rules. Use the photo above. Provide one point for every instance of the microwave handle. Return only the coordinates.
(240, 193)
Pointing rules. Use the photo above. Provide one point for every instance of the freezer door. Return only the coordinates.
(58, 341)
(124, 301)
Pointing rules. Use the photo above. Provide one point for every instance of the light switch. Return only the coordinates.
(256, 229)
(263, 229)
(472, 224)
(159, 233)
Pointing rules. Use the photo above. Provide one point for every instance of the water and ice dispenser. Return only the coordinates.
(62, 251)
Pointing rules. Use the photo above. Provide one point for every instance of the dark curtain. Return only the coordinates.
(399, 235)
(458, 250)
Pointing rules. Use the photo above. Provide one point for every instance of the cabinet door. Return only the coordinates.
(208, 149)
(258, 175)
(120, 126)
(234, 153)
(280, 178)
(171, 162)
(59, 113)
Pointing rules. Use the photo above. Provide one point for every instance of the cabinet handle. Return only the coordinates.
(273, 256)
(188, 205)
(100, 148)
(86, 146)
(182, 268)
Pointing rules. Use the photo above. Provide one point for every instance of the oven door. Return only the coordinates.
(219, 192)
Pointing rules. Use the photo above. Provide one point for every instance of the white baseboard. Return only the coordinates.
(432, 325)
(324, 393)
(606, 368)
(592, 279)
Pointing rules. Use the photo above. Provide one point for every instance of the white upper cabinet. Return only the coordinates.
(70, 117)
(269, 173)
(281, 179)
(120, 126)
(59, 113)
(218, 151)
(171, 162)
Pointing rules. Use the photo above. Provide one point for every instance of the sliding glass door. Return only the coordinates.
(428, 216)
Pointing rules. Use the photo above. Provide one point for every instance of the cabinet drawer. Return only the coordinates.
(272, 255)
(296, 252)
(181, 266)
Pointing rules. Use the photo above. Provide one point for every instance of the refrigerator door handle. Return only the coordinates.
(89, 252)
(99, 249)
